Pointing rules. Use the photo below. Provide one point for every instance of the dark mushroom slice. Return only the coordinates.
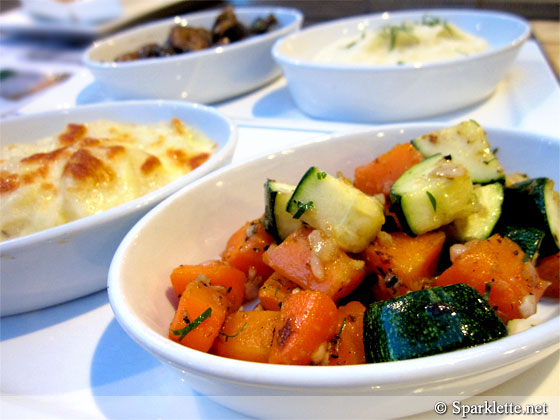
(184, 38)
(263, 25)
(227, 26)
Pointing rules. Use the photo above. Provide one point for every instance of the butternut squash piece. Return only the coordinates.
(247, 335)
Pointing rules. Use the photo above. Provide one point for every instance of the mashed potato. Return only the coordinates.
(89, 168)
(407, 43)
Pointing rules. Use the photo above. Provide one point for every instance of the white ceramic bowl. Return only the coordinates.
(72, 260)
(176, 232)
(367, 93)
(204, 76)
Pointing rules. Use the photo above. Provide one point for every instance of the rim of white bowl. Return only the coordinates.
(307, 63)
(124, 209)
(295, 14)
(505, 351)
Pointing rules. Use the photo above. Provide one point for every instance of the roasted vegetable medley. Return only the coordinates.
(430, 248)
(225, 30)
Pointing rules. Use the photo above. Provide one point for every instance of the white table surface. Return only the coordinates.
(74, 361)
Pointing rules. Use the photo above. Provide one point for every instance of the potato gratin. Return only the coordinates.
(89, 168)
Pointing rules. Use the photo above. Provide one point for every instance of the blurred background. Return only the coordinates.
(41, 41)
(320, 10)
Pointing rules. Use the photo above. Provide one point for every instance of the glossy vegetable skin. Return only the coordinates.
(347, 345)
(379, 175)
(403, 263)
(199, 317)
(308, 321)
(216, 273)
(549, 270)
(498, 265)
(450, 318)
(247, 335)
(330, 271)
(245, 248)
(274, 291)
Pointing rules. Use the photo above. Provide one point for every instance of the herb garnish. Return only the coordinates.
(337, 335)
(321, 175)
(475, 122)
(302, 208)
(392, 31)
(193, 324)
(432, 199)
(351, 44)
(428, 20)
(487, 288)
(234, 335)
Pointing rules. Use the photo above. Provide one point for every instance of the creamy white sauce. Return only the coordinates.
(406, 43)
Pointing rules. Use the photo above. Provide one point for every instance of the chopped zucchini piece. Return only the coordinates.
(479, 225)
(433, 193)
(428, 322)
(277, 221)
(529, 240)
(467, 144)
(533, 203)
(337, 208)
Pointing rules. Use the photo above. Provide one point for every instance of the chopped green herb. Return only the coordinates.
(428, 20)
(393, 43)
(475, 122)
(302, 208)
(432, 200)
(495, 150)
(192, 325)
(337, 335)
(487, 288)
(234, 335)
(321, 175)
(449, 28)
(392, 31)
(353, 43)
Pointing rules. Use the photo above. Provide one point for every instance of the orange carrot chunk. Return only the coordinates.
(347, 346)
(549, 270)
(498, 267)
(308, 320)
(379, 175)
(274, 291)
(315, 262)
(247, 335)
(199, 316)
(218, 273)
(245, 248)
(403, 263)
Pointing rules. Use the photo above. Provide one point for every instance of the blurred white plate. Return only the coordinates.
(20, 21)
(205, 76)
(167, 237)
(71, 260)
(385, 93)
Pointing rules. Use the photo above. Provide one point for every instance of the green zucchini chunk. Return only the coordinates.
(428, 322)
(479, 225)
(533, 203)
(277, 221)
(336, 207)
(468, 145)
(432, 193)
(529, 240)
